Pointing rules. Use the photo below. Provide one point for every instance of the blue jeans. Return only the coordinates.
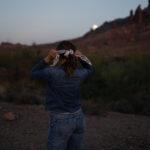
(66, 131)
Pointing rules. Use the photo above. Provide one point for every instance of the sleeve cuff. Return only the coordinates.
(43, 61)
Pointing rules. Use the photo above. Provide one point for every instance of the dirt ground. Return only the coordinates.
(115, 131)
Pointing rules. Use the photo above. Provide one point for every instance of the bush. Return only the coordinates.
(123, 106)
(116, 81)
(23, 98)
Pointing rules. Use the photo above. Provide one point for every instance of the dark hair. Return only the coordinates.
(71, 61)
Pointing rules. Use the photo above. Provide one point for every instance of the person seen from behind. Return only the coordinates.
(64, 78)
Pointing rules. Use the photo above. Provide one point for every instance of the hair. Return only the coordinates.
(71, 61)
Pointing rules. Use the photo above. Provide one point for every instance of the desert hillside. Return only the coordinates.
(119, 51)
(115, 98)
(120, 37)
(125, 36)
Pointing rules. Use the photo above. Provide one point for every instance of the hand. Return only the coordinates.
(77, 52)
(52, 54)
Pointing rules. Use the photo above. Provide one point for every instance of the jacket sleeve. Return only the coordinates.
(38, 71)
(87, 68)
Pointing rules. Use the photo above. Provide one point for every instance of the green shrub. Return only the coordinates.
(116, 81)
(123, 106)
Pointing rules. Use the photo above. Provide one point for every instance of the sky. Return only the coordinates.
(47, 21)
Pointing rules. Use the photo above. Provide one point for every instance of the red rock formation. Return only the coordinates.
(139, 15)
(131, 16)
(146, 14)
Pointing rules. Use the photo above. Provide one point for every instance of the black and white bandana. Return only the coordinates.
(66, 53)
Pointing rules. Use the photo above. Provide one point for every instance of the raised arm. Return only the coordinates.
(85, 62)
(39, 71)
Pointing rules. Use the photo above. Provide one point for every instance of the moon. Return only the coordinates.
(95, 27)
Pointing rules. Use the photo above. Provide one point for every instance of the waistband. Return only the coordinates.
(66, 113)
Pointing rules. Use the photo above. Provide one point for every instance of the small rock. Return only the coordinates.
(9, 116)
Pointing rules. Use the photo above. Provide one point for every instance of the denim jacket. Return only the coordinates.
(62, 91)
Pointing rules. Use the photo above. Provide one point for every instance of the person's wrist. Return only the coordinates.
(47, 58)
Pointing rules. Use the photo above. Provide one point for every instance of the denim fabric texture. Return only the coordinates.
(66, 131)
(67, 122)
(62, 92)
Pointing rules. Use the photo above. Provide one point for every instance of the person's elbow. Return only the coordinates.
(36, 75)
